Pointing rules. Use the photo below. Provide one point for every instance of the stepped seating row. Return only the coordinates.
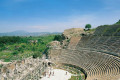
(104, 43)
(108, 30)
(111, 44)
(96, 64)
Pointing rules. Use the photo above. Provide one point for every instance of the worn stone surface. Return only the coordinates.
(73, 32)
(22, 70)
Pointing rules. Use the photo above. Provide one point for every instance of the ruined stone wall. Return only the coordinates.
(23, 70)
(73, 42)
(68, 33)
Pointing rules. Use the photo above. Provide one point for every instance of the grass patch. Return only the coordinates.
(75, 78)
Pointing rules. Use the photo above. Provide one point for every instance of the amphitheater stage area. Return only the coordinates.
(59, 74)
(96, 54)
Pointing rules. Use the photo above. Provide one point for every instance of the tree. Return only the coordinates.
(118, 22)
(59, 37)
(87, 26)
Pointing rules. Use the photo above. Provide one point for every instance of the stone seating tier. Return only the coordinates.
(96, 64)
(103, 43)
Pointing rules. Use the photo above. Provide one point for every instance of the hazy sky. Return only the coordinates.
(56, 15)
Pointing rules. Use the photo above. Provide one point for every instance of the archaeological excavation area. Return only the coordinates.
(85, 55)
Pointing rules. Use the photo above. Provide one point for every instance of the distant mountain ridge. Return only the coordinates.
(25, 33)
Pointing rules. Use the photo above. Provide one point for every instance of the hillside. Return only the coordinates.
(108, 30)
(18, 48)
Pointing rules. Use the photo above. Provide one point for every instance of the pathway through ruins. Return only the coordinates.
(57, 74)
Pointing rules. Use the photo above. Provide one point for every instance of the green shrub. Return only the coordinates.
(7, 60)
(23, 45)
(37, 54)
(59, 37)
(15, 52)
